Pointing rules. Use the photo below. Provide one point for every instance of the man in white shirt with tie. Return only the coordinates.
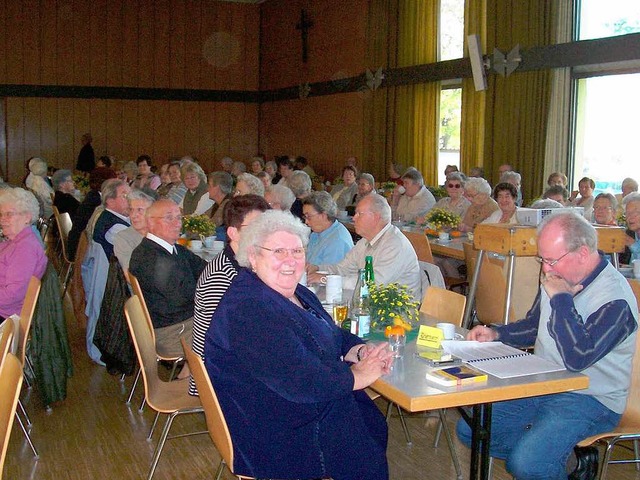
(394, 259)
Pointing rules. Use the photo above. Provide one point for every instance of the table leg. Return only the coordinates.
(480, 424)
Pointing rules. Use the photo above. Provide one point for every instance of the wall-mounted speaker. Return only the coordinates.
(477, 62)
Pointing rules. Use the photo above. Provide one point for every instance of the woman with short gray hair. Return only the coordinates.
(300, 185)
(38, 183)
(279, 197)
(274, 348)
(128, 239)
(455, 202)
(249, 184)
(330, 240)
(21, 253)
(196, 199)
(478, 191)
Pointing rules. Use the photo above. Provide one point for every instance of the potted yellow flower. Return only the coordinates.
(198, 226)
(388, 301)
(442, 220)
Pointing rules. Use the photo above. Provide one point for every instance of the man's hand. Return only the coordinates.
(554, 284)
(482, 333)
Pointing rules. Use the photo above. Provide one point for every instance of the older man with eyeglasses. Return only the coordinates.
(584, 318)
(394, 259)
(167, 273)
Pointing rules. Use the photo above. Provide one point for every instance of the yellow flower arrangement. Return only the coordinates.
(388, 301)
(199, 225)
(441, 219)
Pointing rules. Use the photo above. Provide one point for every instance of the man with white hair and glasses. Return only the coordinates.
(584, 318)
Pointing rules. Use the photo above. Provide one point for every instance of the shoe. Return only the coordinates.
(587, 467)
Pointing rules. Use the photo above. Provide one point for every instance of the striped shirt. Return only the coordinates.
(211, 287)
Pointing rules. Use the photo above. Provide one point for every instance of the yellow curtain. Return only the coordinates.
(473, 103)
(517, 106)
(417, 106)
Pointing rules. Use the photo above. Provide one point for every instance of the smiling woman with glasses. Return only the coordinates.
(330, 240)
(271, 347)
(455, 201)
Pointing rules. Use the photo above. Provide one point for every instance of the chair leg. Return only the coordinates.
(67, 278)
(133, 387)
(29, 366)
(220, 470)
(24, 413)
(490, 470)
(636, 452)
(407, 435)
(153, 426)
(27, 436)
(452, 448)
(161, 442)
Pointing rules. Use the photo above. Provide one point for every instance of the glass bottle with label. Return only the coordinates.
(360, 316)
(368, 269)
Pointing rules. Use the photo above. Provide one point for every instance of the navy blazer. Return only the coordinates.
(286, 393)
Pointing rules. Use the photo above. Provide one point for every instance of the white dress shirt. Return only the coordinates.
(413, 208)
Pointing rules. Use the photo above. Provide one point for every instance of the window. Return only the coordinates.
(606, 141)
(450, 47)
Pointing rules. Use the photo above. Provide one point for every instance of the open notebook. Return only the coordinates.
(498, 359)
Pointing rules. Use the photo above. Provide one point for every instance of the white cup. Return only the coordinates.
(208, 242)
(218, 245)
(196, 244)
(334, 288)
(303, 279)
(444, 236)
(636, 268)
(448, 329)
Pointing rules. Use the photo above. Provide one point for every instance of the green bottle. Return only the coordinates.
(368, 269)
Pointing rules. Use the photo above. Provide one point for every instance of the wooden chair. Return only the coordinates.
(135, 287)
(24, 327)
(171, 398)
(11, 381)
(444, 304)
(421, 245)
(6, 338)
(216, 423)
(64, 227)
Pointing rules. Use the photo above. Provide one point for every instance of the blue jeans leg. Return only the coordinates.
(535, 436)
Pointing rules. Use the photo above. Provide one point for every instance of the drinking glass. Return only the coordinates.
(340, 312)
(397, 342)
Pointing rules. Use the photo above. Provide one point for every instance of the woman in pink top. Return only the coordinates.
(21, 253)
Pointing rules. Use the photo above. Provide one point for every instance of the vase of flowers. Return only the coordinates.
(389, 301)
(442, 220)
(198, 226)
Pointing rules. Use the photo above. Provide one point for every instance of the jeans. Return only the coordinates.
(536, 435)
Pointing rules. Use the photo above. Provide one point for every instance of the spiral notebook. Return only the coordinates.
(500, 360)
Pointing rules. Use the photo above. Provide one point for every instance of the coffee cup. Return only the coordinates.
(444, 236)
(196, 244)
(448, 329)
(333, 288)
(636, 269)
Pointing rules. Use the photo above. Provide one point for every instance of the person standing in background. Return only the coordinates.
(86, 157)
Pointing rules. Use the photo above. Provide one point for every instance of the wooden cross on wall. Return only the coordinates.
(304, 25)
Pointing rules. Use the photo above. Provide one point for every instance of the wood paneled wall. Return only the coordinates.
(198, 44)
(325, 129)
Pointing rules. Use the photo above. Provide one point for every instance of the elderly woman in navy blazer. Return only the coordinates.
(289, 381)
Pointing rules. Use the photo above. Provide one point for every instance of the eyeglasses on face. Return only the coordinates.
(9, 214)
(551, 263)
(283, 253)
(309, 216)
(360, 213)
(454, 185)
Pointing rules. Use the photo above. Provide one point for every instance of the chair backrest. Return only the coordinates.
(6, 337)
(26, 316)
(491, 290)
(421, 245)
(11, 381)
(216, 423)
(135, 286)
(635, 286)
(64, 222)
(444, 305)
(631, 415)
(144, 344)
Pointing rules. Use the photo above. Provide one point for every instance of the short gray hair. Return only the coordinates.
(379, 205)
(255, 185)
(545, 203)
(607, 196)
(457, 176)
(299, 183)
(223, 180)
(38, 166)
(191, 167)
(284, 196)
(240, 166)
(576, 230)
(414, 175)
(322, 202)
(227, 161)
(23, 200)
(478, 185)
(137, 194)
(270, 222)
(59, 177)
(368, 178)
(632, 197)
(631, 183)
(271, 164)
(511, 175)
(110, 189)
